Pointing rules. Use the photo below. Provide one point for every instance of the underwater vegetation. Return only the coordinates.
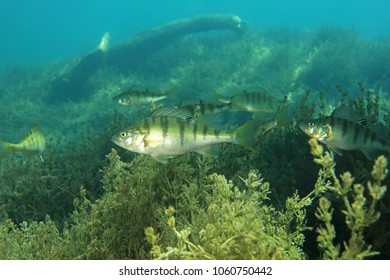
(199, 217)
(90, 199)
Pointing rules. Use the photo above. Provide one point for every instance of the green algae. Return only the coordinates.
(212, 218)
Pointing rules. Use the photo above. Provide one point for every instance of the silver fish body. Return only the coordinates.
(164, 136)
(140, 97)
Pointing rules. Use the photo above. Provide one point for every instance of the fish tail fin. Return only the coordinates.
(172, 93)
(5, 149)
(246, 134)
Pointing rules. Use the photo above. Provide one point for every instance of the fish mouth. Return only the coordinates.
(302, 126)
(118, 141)
(305, 129)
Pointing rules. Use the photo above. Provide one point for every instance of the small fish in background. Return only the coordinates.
(168, 133)
(345, 129)
(34, 144)
(202, 109)
(253, 101)
(135, 97)
(283, 118)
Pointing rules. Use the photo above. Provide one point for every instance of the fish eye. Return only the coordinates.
(123, 134)
(310, 124)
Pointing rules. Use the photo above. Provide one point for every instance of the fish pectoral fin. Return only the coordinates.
(210, 151)
(372, 154)
(336, 150)
(162, 158)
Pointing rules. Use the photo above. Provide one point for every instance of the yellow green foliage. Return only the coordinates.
(35, 240)
(239, 224)
(358, 215)
(183, 210)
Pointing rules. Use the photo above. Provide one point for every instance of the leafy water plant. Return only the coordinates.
(360, 212)
(211, 218)
(239, 223)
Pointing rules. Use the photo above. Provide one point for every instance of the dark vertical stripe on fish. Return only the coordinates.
(182, 124)
(164, 127)
(366, 135)
(202, 105)
(205, 129)
(344, 129)
(357, 130)
(195, 130)
(34, 144)
(212, 107)
(252, 99)
(373, 138)
(147, 124)
(332, 122)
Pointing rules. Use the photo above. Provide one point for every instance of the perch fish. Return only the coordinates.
(34, 144)
(141, 97)
(165, 134)
(253, 102)
(345, 129)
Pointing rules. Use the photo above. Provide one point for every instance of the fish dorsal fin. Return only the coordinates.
(348, 114)
(34, 129)
(171, 112)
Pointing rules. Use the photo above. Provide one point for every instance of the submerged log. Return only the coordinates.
(126, 55)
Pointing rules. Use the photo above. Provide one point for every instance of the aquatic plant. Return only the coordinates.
(27, 241)
(360, 212)
(32, 189)
(374, 63)
(238, 225)
(187, 212)
(334, 62)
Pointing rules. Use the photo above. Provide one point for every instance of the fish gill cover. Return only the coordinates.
(91, 199)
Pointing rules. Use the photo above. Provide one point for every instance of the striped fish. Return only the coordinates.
(253, 102)
(163, 137)
(345, 129)
(141, 97)
(34, 144)
(206, 108)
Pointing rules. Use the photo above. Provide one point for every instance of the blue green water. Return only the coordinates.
(310, 55)
(41, 31)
